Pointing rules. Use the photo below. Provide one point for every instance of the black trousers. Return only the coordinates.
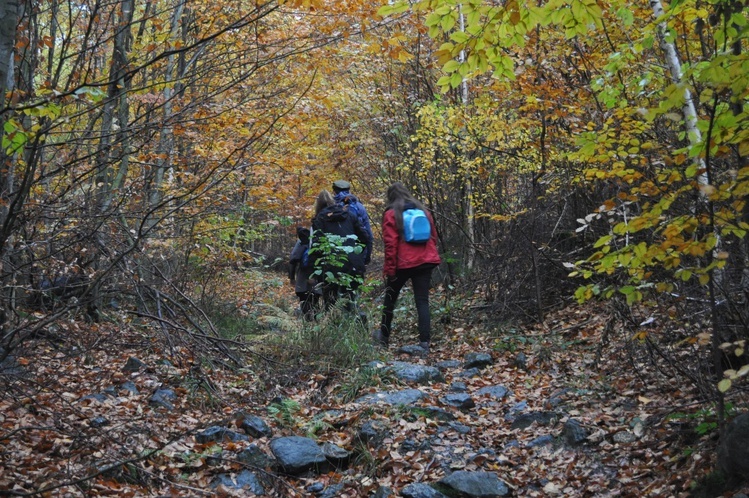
(421, 278)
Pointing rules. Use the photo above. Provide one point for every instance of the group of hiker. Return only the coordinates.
(328, 261)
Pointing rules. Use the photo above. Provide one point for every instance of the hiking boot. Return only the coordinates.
(379, 339)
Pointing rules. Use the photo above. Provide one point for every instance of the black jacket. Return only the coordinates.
(337, 220)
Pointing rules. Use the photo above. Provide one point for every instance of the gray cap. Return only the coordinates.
(341, 185)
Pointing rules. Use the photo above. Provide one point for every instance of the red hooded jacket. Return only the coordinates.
(400, 254)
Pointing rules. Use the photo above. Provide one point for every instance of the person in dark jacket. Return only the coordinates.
(300, 274)
(344, 197)
(406, 261)
(338, 249)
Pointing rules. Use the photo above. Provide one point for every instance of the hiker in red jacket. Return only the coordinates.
(406, 261)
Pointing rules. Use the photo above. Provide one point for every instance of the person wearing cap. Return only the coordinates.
(344, 197)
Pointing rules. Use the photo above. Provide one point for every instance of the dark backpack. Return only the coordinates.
(305, 261)
(416, 226)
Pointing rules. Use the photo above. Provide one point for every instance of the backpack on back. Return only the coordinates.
(305, 262)
(416, 226)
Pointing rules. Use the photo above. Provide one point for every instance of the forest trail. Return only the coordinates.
(527, 411)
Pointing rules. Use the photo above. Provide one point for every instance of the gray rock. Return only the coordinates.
(315, 487)
(255, 457)
(419, 490)
(525, 420)
(516, 409)
(558, 397)
(98, 397)
(574, 433)
(448, 364)
(130, 387)
(372, 432)
(521, 361)
(99, 421)
(296, 454)
(434, 413)
(459, 428)
(512, 444)
(383, 492)
(332, 491)
(216, 434)
(477, 360)
(163, 398)
(133, 365)
(459, 400)
(335, 455)
(479, 484)
(541, 441)
(420, 374)
(244, 480)
(458, 387)
(499, 392)
(471, 372)
(624, 437)
(413, 350)
(733, 449)
(255, 426)
(405, 397)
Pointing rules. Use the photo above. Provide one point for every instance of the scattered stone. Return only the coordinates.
(420, 374)
(110, 391)
(256, 457)
(499, 392)
(516, 410)
(133, 365)
(405, 397)
(413, 350)
(479, 484)
(574, 433)
(459, 400)
(448, 364)
(459, 428)
(244, 480)
(332, 491)
(99, 421)
(315, 487)
(557, 398)
(163, 398)
(513, 443)
(733, 449)
(98, 397)
(255, 426)
(471, 372)
(433, 412)
(419, 490)
(624, 437)
(372, 432)
(216, 434)
(521, 361)
(541, 441)
(477, 360)
(335, 455)
(383, 492)
(458, 387)
(413, 445)
(525, 420)
(296, 454)
(130, 387)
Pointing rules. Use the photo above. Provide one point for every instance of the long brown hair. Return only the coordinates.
(398, 196)
(324, 199)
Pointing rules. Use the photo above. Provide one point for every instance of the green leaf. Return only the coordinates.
(724, 385)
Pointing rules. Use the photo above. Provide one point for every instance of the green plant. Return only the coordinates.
(284, 411)
(361, 378)
(706, 418)
(331, 253)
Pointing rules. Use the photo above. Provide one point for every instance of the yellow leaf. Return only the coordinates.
(724, 385)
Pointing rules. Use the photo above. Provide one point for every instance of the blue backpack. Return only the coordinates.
(416, 226)
(305, 258)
